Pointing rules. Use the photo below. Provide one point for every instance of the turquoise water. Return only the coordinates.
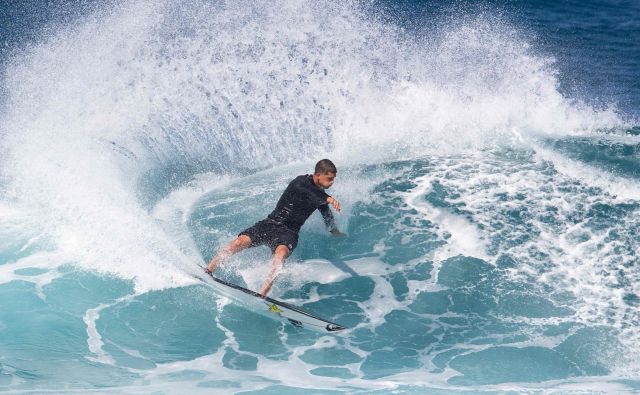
(488, 176)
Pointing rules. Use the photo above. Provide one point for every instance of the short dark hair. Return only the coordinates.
(325, 166)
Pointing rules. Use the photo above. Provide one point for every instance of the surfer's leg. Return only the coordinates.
(280, 254)
(239, 244)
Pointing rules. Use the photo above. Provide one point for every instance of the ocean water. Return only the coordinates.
(489, 170)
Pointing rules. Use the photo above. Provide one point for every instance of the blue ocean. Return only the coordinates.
(488, 159)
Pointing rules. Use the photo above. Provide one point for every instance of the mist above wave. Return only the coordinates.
(105, 116)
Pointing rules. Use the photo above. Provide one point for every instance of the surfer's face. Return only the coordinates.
(325, 181)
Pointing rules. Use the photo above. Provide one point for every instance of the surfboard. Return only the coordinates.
(271, 307)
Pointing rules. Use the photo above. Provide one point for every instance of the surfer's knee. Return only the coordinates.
(281, 252)
(237, 245)
(240, 243)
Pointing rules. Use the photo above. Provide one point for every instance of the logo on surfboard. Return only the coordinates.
(275, 309)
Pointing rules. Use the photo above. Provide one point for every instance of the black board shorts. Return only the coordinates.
(271, 234)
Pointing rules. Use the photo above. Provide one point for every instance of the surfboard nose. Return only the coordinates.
(334, 327)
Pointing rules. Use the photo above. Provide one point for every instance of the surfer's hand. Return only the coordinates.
(334, 203)
(337, 233)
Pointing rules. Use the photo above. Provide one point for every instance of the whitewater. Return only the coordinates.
(492, 213)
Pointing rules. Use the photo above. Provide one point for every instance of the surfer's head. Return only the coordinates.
(325, 173)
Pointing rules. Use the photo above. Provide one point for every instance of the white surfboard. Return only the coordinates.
(271, 307)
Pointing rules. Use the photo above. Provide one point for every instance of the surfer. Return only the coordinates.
(279, 230)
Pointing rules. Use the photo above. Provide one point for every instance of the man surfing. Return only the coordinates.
(279, 230)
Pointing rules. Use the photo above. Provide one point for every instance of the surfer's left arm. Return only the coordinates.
(328, 218)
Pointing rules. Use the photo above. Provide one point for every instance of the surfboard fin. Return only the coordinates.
(295, 323)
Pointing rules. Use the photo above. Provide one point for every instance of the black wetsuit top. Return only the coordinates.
(301, 198)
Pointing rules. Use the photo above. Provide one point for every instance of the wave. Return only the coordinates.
(105, 117)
